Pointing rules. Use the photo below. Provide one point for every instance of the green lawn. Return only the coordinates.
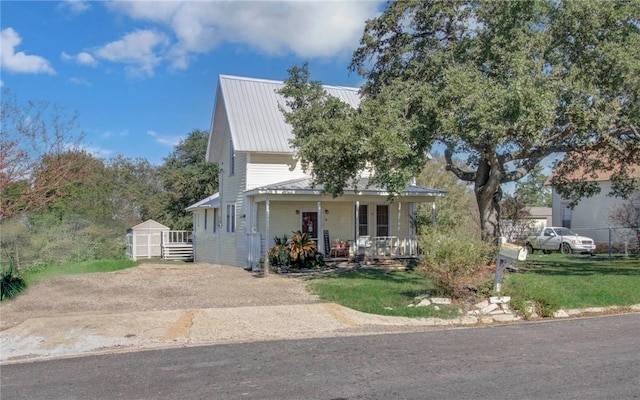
(576, 281)
(553, 281)
(379, 292)
(31, 275)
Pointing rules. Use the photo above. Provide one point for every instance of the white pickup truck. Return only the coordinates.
(560, 239)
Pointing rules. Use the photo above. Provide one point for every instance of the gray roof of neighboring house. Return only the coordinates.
(253, 110)
(304, 186)
(212, 201)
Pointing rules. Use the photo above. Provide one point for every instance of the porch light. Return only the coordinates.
(297, 212)
(326, 211)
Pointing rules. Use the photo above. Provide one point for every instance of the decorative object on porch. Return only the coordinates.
(339, 248)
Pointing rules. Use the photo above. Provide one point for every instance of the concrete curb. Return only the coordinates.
(83, 334)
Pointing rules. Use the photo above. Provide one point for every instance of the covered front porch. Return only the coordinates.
(359, 225)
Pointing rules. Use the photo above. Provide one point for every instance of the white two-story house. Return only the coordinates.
(264, 193)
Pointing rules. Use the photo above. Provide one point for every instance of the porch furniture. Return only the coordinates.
(386, 245)
(339, 248)
(364, 244)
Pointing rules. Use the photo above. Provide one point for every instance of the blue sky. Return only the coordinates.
(141, 75)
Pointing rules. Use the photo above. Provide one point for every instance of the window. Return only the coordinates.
(232, 159)
(215, 220)
(231, 218)
(566, 217)
(382, 220)
(363, 219)
(205, 219)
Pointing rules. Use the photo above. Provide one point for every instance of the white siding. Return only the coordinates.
(591, 216)
(265, 169)
(204, 240)
(232, 245)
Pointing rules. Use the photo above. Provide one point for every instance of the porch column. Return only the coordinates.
(356, 230)
(248, 217)
(266, 240)
(398, 232)
(320, 232)
(356, 223)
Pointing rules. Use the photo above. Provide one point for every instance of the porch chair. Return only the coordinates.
(364, 245)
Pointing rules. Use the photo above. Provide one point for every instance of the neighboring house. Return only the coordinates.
(264, 193)
(536, 219)
(590, 217)
(539, 217)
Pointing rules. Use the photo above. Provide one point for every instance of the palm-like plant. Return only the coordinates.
(279, 253)
(302, 249)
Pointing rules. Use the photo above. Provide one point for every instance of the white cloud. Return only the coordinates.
(82, 58)
(20, 62)
(98, 152)
(108, 134)
(307, 29)
(171, 141)
(75, 7)
(142, 50)
(80, 81)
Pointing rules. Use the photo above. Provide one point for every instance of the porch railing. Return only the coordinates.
(386, 246)
(177, 245)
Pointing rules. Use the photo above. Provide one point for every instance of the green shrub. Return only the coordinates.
(279, 258)
(10, 283)
(457, 265)
(298, 251)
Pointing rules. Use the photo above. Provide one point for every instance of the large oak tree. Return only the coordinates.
(501, 85)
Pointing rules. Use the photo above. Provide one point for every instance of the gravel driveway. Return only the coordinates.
(153, 287)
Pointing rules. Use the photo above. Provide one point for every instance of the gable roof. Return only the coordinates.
(304, 186)
(252, 110)
(149, 224)
(212, 201)
(599, 175)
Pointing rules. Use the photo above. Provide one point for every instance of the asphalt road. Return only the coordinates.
(590, 358)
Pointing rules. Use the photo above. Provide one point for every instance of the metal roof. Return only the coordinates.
(212, 201)
(252, 110)
(304, 186)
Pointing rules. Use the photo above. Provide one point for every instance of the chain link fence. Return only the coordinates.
(613, 241)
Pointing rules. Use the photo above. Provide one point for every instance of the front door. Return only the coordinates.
(310, 223)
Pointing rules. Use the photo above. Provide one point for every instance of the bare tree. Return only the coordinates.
(627, 215)
(37, 144)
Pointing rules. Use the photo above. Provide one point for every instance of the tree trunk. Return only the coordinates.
(488, 195)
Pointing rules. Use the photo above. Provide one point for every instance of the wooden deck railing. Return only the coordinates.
(177, 245)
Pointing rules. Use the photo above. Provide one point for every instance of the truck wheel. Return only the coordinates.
(565, 248)
(529, 248)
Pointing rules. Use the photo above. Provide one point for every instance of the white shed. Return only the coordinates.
(145, 240)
